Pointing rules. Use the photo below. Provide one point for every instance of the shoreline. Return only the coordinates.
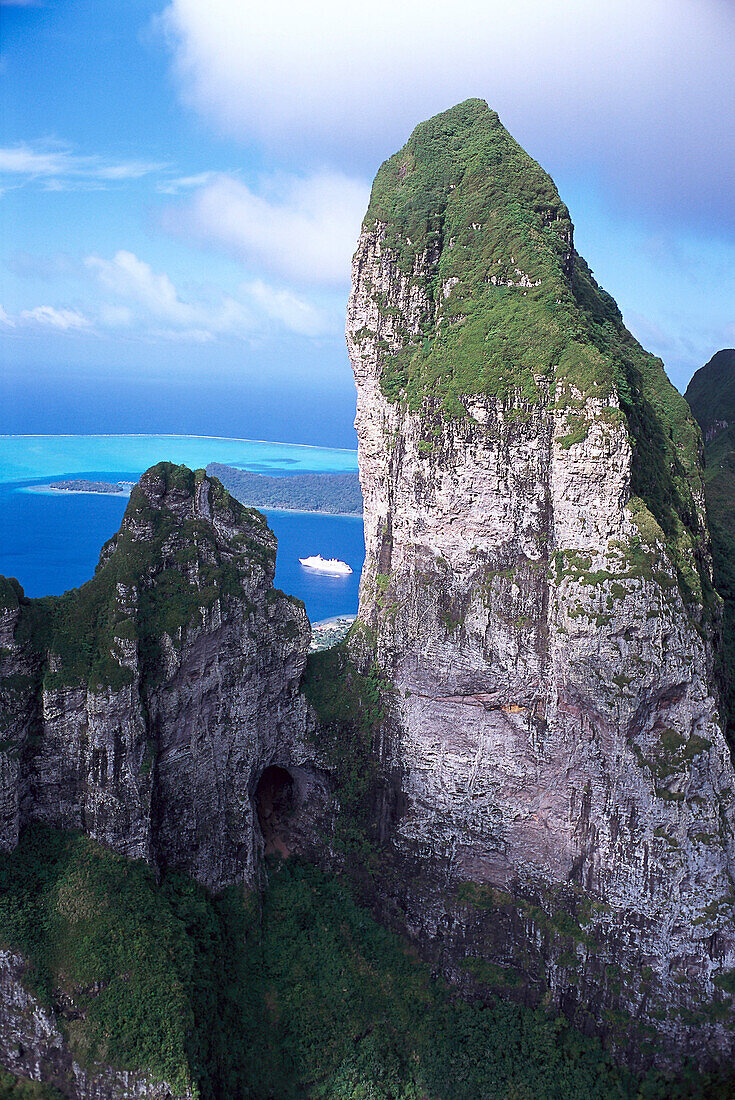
(49, 489)
(335, 619)
(303, 511)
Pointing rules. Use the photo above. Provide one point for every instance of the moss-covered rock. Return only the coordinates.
(476, 229)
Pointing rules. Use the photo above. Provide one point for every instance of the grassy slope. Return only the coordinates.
(468, 198)
(711, 394)
(297, 994)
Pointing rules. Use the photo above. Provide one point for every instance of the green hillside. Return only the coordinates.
(292, 994)
(711, 395)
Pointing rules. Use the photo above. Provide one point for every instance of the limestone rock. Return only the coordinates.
(537, 593)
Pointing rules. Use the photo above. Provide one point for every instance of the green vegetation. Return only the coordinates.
(338, 494)
(14, 1088)
(513, 312)
(86, 917)
(298, 993)
(465, 196)
(174, 565)
(349, 709)
(711, 394)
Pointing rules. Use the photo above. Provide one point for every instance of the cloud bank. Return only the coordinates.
(640, 92)
(65, 320)
(139, 295)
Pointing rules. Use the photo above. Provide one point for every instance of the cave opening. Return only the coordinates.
(274, 803)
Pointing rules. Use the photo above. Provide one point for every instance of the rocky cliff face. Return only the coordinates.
(145, 706)
(537, 594)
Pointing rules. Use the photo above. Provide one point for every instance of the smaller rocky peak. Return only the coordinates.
(711, 394)
(168, 493)
(186, 553)
(144, 706)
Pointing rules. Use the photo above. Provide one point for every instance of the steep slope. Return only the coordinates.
(711, 396)
(293, 993)
(537, 596)
(145, 706)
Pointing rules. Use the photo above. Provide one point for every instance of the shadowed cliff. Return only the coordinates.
(711, 395)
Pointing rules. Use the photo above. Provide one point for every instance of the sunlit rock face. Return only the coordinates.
(537, 595)
(144, 707)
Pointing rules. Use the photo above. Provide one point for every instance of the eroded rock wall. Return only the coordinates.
(33, 1047)
(144, 709)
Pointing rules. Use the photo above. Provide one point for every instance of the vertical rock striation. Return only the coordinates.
(143, 707)
(537, 594)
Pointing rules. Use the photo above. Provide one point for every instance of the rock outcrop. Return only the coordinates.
(537, 595)
(144, 707)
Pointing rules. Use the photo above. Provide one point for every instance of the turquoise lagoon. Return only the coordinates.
(24, 457)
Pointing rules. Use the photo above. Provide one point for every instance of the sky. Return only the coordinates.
(182, 185)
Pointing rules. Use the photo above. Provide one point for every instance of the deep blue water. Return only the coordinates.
(315, 406)
(301, 534)
(51, 542)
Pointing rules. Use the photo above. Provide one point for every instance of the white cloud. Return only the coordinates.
(60, 169)
(303, 228)
(64, 319)
(130, 278)
(133, 299)
(148, 301)
(28, 161)
(128, 170)
(185, 183)
(284, 306)
(635, 91)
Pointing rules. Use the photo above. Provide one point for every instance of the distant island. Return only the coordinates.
(338, 494)
(81, 485)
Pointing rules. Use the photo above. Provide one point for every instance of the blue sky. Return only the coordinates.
(183, 182)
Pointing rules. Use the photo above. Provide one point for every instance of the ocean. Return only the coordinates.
(51, 541)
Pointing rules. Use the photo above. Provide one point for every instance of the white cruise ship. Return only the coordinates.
(332, 566)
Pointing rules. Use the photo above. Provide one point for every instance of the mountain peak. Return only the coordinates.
(711, 393)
